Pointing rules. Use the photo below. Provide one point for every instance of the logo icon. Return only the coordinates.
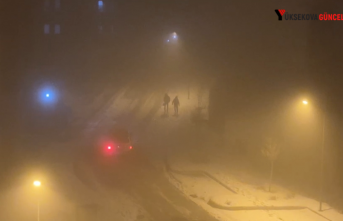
(280, 13)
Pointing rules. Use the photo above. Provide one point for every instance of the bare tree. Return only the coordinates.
(271, 151)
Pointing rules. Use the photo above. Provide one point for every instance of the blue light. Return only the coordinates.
(101, 6)
(174, 36)
(47, 95)
(168, 40)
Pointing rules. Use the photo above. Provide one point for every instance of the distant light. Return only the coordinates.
(305, 102)
(47, 95)
(174, 36)
(58, 4)
(168, 40)
(101, 6)
(109, 147)
(46, 29)
(57, 29)
(130, 147)
(36, 183)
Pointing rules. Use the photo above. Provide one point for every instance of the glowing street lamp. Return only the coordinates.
(305, 102)
(37, 183)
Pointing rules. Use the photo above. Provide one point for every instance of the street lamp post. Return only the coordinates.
(38, 210)
(188, 89)
(321, 162)
(173, 38)
(37, 184)
(322, 166)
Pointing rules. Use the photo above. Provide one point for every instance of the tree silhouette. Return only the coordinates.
(271, 151)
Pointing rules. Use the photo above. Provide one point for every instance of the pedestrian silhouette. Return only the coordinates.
(176, 104)
(166, 101)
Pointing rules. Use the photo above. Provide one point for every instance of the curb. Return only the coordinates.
(238, 208)
(251, 208)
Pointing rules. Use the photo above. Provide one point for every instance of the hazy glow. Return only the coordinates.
(37, 183)
(174, 35)
(305, 102)
(57, 29)
(101, 6)
(46, 29)
(47, 95)
(109, 147)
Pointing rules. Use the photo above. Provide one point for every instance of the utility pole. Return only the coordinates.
(322, 165)
(38, 211)
(188, 88)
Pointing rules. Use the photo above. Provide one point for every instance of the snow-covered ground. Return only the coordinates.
(208, 185)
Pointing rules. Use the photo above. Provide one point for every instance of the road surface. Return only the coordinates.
(136, 173)
(74, 178)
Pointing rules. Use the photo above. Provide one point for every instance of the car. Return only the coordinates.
(118, 142)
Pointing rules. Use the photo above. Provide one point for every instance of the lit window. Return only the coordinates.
(46, 29)
(57, 4)
(57, 29)
(100, 5)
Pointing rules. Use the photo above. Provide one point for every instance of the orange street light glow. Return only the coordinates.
(36, 183)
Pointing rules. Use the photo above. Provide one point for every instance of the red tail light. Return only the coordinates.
(130, 147)
(109, 147)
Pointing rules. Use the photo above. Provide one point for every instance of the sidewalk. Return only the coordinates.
(210, 184)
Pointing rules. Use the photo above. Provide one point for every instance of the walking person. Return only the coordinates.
(176, 104)
(166, 101)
